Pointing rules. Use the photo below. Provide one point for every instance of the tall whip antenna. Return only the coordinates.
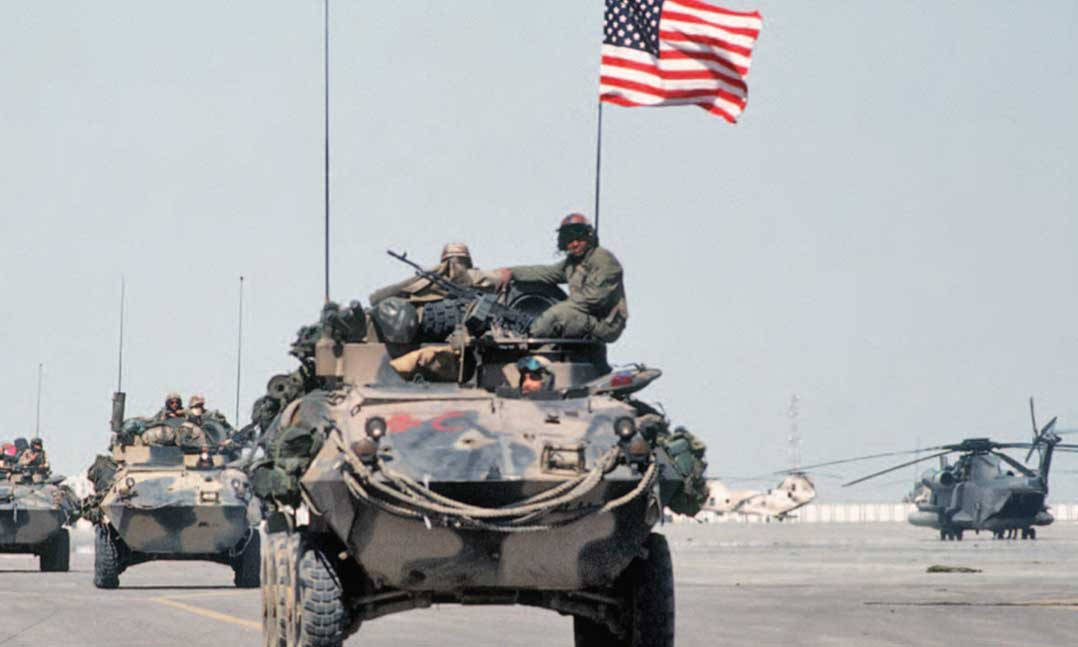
(239, 355)
(325, 80)
(37, 425)
(120, 368)
(119, 398)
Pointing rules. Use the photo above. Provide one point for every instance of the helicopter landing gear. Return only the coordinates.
(1029, 533)
(950, 535)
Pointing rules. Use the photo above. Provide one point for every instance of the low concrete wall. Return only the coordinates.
(861, 513)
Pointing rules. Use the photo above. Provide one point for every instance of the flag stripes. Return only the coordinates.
(704, 55)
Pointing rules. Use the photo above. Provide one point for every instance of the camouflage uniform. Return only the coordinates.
(419, 290)
(34, 458)
(596, 306)
(165, 413)
(432, 363)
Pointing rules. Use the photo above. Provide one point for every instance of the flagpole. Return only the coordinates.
(598, 163)
(325, 54)
(239, 355)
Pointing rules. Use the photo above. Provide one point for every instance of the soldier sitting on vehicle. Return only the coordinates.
(34, 458)
(173, 408)
(456, 265)
(596, 307)
(197, 412)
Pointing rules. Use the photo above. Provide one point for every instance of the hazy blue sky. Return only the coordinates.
(889, 232)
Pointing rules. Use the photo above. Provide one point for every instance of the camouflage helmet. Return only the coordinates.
(195, 401)
(173, 396)
(456, 250)
(575, 226)
(397, 320)
(36, 443)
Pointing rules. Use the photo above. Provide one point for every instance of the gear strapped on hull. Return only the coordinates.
(416, 501)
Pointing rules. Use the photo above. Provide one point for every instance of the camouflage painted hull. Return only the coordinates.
(28, 527)
(407, 554)
(179, 528)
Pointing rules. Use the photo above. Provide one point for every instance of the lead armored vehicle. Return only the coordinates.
(165, 492)
(401, 474)
(34, 508)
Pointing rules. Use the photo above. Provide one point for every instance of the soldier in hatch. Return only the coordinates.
(197, 412)
(596, 307)
(456, 265)
(34, 457)
(173, 408)
(535, 375)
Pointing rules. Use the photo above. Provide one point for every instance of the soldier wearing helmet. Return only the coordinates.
(535, 375)
(196, 407)
(596, 308)
(173, 408)
(34, 456)
(456, 265)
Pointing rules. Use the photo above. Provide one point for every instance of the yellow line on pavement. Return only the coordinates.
(206, 594)
(1071, 603)
(206, 613)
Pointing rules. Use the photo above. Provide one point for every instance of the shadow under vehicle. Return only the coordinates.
(389, 495)
(171, 498)
(34, 508)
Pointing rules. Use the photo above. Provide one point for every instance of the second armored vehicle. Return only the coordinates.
(34, 508)
(166, 493)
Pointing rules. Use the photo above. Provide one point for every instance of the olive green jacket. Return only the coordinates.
(595, 282)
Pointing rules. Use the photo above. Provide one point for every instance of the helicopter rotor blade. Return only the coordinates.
(1039, 438)
(897, 467)
(1015, 464)
(807, 468)
(1033, 417)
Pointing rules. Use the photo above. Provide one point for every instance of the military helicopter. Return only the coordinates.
(795, 491)
(984, 489)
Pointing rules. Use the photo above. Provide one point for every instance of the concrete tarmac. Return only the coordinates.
(737, 584)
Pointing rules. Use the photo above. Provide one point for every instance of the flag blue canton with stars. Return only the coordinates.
(633, 23)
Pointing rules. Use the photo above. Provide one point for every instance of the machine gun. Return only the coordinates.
(484, 309)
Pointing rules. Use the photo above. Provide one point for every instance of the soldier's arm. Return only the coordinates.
(602, 287)
(486, 280)
(551, 274)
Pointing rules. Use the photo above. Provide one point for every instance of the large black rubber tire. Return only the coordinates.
(647, 587)
(439, 319)
(271, 634)
(534, 298)
(653, 596)
(108, 559)
(322, 620)
(247, 565)
(55, 556)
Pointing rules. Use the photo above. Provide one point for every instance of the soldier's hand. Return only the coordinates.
(505, 275)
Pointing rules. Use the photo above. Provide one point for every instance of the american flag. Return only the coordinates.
(677, 52)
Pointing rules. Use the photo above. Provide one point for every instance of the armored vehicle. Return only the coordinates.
(166, 493)
(389, 494)
(34, 508)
